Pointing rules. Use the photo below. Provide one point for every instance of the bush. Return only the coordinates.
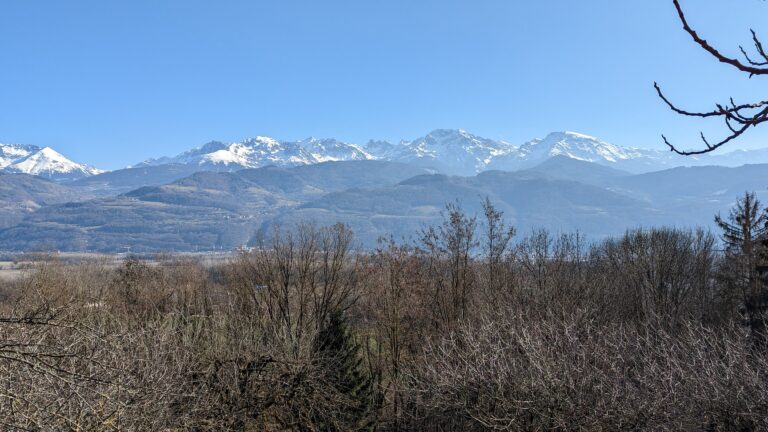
(304, 333)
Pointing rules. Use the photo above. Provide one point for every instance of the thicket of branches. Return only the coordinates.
(473, 327)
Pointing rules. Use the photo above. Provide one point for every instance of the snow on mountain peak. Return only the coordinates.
(48, 162)
(262, 150)
(324, 150)
(577, 146)
(578, 135)
(11, 153)
(45, 162)
(451, 151)
(379, 149)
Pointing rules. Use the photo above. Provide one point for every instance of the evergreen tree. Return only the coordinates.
(340, 357)
(744, 233)
(745, 225)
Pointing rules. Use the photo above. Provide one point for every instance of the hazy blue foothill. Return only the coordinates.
(208, 199)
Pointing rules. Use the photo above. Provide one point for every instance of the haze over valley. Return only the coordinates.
(221, 196)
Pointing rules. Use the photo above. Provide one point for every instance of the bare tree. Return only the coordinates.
(392, 306)
(449, 249)
(496, 243)
(738, 117)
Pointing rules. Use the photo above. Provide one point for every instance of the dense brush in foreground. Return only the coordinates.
(463, 332)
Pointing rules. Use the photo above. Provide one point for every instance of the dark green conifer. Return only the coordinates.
(341, 359)
(745, 233)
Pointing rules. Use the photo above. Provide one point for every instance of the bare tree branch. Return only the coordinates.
(751, 69)
(760, 50)
(738, 118)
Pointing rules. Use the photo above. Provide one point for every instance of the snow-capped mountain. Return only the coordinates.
(460, 152)
(447, 150)
(450, 151)
(12, 153)
(578, 146)
(261, 151)
(381, 149)
(44, 162)
(582, 147)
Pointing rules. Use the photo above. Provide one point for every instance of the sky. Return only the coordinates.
(111, 83)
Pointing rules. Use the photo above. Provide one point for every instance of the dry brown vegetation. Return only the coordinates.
(464, 330)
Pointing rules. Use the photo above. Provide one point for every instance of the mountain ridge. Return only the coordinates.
(450, 151)
(215, 210)
(42, 162)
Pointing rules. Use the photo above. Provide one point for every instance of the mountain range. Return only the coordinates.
(205, 211)
(224, 210)
(447, 151)
(223, 195)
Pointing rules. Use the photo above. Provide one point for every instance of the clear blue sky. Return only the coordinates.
(111, 83)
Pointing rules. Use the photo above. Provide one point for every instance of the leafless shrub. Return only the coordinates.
(456, 333)
(511, 374)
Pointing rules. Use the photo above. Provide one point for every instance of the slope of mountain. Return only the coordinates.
(208, 198)
(211, 210)
(117, 182)
(455, 152)
(566, 168)
(198, 213)
(262, 151)
(310, 181)
(404, 209)
(44, 162)
(696, 186)
(22, 194)
(577, 146)
(735, 158)
(582, 147)
(12, 153)
(559, 196)
(449, 151)
(207, 210)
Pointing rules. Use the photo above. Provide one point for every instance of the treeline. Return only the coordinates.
(471, 327)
